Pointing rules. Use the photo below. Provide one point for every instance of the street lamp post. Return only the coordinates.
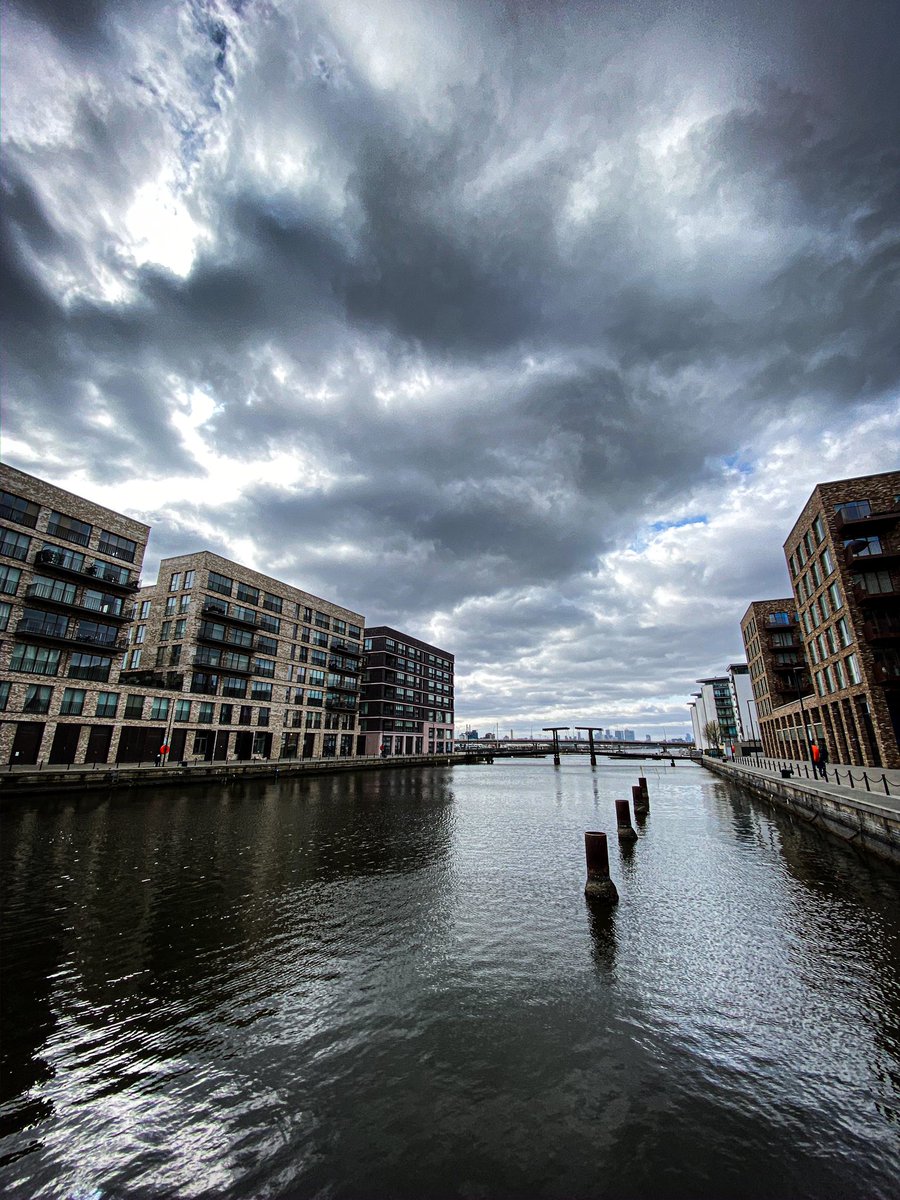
(795, 674)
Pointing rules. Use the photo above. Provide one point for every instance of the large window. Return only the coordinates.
(117, 546)
(102, 602)
(250, 595)
(37, 698)
(260, 691)
(34, 660)
(107, 703)
(853, 510)
(9, 580)
(90, 666)
(134, 707)
(234, 686)
(219, 583)
(14, 545)
(853, 668)
(206, 712)
(72, 702)
(4, 694)
(69, 529)
(272, 603)
(864, 547)
(18, 509)
(264, 666)
(182, 711)
(159, 708)
(875, 583)
(5, 610)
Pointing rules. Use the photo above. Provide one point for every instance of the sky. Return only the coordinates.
(524, 327)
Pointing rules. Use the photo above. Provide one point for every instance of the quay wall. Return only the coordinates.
(866, 824)
(54, 780)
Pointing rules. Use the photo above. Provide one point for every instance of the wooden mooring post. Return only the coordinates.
(599, 886)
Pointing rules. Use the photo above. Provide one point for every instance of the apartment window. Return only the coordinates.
(34, 660)
(314, 720)
(175, 582)
(260, 691)
(843, 631)
(246, 715)
(18, 509)
(206, 712)
(827, 561)
(134, 707)
(69, 529)
(824, 606)
(875, 583)
(72, 702)
(319, 657)
(820, 683)
(90, 666)
(165, 631)
(140, 633)
(184, 603)
(232, 661)
(262, 716)
(117, 546)
(9, 580)
(815, 573)
(159, 708)
(107, 703)
(182, 711)
(270, 624)
(272, 603)
(339, 626)
(266, 645)
(171, 605)
(204, 683)
(180, 625)
(250, 595)
(834, 595)
(201, 743)
(226, 714)
(4, 695)
(37, 698)
(174, 656)
(320, 639)
(853, 668)
(14, 545)
(839, 674)
(134, 659)
(160, 656)
(354, 631)
(829, 679)
(819, 529)
(315, 697)
(233, 685)
(854, 509)
(323, 621)
(219, 583)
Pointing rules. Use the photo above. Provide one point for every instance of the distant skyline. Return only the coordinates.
(526, 327)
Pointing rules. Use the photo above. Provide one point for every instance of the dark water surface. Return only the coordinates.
(390, 985)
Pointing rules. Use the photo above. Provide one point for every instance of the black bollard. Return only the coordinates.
(599, 886)
(640, 801)
(624, 827)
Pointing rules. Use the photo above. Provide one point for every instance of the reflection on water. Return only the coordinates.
(392, 985)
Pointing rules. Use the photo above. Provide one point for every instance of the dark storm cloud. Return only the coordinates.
(512, 301)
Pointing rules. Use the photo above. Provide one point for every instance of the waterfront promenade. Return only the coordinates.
(859, 805)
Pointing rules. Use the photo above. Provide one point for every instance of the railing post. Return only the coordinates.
(866, 778)
(885, 782)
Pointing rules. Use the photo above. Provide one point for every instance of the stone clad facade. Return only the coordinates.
(69, 571)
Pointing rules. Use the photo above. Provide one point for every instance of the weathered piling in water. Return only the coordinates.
(640, 801)
(599, 886)
(642, 784)
(624, 828)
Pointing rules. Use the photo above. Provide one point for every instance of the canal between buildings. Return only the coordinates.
(391, 985)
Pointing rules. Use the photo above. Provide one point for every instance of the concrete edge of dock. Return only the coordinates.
(865, 824)
(50, 781)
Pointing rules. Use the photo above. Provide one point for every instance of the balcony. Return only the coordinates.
(56, 634)
(172, 681)
(220, 667)
(46, 596)
(865, 597)
(847, 526)
(771, 624)
(62, 563)
(343, 647)
(341, 703)
(881, 629)
(866, 561)
(220, 613)
(887, 673)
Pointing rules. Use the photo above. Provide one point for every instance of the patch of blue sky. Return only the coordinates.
(659, 526)
(734, 462)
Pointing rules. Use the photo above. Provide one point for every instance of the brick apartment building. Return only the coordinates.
(68, 575)
(260, 668)
(407, 696)
(843, 557)
(214, 660)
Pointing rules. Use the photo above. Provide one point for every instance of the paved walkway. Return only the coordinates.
(883, 790)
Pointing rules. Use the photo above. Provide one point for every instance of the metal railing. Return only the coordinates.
(789, 767)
